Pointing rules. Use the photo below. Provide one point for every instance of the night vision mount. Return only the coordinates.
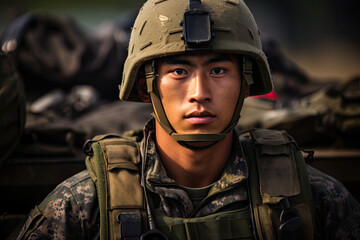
(197, 27)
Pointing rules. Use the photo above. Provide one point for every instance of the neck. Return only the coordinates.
(192, 168)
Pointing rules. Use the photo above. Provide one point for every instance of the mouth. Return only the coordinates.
(200, 117)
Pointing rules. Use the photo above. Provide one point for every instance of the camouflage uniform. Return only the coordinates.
(71, 210)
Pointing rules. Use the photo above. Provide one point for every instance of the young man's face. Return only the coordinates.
(199, 92)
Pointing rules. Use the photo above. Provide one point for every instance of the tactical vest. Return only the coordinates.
(280, 198)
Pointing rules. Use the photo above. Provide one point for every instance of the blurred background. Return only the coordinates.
(64, 59)
(321, 36)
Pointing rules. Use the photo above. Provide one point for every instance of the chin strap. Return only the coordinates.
(185, 139)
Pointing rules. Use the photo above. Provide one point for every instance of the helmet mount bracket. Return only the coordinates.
(197, 27)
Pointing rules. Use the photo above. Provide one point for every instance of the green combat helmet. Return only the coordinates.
(172, 27)
(12, 107)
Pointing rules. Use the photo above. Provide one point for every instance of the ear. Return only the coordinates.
(142, 90)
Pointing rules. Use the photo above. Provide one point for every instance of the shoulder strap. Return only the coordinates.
(279, 185)
(114, 165)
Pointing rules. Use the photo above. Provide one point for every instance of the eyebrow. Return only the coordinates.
(183, 61)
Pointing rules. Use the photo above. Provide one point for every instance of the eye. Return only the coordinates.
(179, 72)
(217, 71)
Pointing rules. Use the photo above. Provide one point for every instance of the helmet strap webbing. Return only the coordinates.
(160, 115)
(185, 139)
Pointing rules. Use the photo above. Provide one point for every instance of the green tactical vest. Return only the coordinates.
(279, 192)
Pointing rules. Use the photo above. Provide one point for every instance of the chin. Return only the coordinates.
(203, 131)
(200, 129)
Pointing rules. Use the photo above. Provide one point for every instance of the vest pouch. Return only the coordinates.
(234, 224)
(114, 167)
(276, 166)
(125, 203)
(277, 170)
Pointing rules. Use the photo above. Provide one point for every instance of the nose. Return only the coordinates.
(199, 89)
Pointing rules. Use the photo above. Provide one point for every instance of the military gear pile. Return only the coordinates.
(12, 107)
(54, 52)
(337, 114)
(331, 116)
(70, 77)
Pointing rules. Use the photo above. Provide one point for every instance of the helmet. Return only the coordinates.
(157, 32)
(172, 27)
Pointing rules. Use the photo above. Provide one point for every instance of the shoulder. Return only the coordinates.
(80, 186)
(337, 212)
(327, 188)
(77, 190)
(69, 211)
(324, 184)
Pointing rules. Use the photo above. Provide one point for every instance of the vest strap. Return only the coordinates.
(288, 180)
(113, 163)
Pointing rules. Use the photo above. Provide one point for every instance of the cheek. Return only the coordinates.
(230, 91)
(229, 98)
(170, 93)
(165, 90)
(235, 91)
(171, 90)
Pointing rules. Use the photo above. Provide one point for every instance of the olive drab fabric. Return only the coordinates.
(233, 224)
(157, 33)
(287, 180)
(12, 107)
(113, 164)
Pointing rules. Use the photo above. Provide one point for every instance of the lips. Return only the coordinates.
(200, 117)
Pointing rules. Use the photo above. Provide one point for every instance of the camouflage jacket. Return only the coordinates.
(71, 210)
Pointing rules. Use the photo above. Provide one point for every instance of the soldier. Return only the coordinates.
(187, 175)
